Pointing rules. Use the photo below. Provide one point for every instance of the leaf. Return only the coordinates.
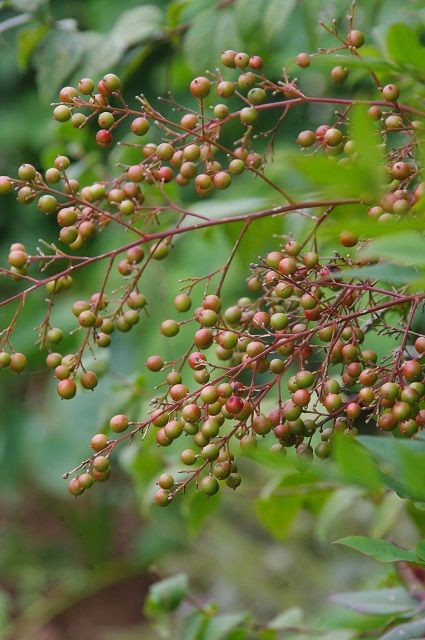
(28, 40)
(382, 602)
(404, 46)
(198, 509)
(138, 25)
(404, 248)
(408, 631)
(277, 513)
(27, 5)
(166, 595)
(101, 53)
(222, 624)
(193, 627)
(339, 501)
(59, 55)
(222, 24)
(289, 618)
(370, 158)
(381, 550)
(355, 462)
(386, 515)
(420, 549)
(383, 271)
(276, 16)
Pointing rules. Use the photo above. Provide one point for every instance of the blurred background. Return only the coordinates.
(81, 568)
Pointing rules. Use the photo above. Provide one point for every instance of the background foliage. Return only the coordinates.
(84, 567)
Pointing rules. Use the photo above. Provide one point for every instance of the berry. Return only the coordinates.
(66, 388)
(303, 60)
(99, 442)
(338, 73)
(140, 126)
(61, 113)
(200, 87)
(355, 38)
(348, 238)
(17, 362)
(390, 92)
(209, 485)
(169, 328)
(154, 363)
(86, 86)
(103, 138)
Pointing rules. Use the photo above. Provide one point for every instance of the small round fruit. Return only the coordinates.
(103, 138)
(303, 60)
(200, 87)
(67, 388)
(209, 485)
(119, 423)
(18, 362)
(390, 92)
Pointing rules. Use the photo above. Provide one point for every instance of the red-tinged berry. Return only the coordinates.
(303, 60)
(103, 138)
(99, 442)
(200, 87)
(67, 388)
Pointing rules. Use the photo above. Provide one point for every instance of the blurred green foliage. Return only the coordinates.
(64, 564)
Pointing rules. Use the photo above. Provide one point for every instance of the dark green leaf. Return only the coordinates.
(59, 55)
(197, 509)
(28, 40)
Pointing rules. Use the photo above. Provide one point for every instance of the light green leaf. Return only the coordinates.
(222, 24)
(404, 248)
(166, 595)
(408, 631)
(382, 602)
(355, 462)
(221, 625)
(420, 549)
(289, 618)
(139, 25)
(101, 54)
(275, 16)
(193, 627)
(404, 46)
(277, 513)
(370, 160)
(197, 509)
(383, 271)
(339, 501)
(28, 40)
(381, 550)
(386, 515)
(59, 55)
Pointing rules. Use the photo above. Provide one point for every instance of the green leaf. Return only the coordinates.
(221, 625)
(384, 271)
(196, 510)
(404, 248)
(193, 627)
(275, 16)
(330, 178)
(381, 550)
(355, 462)
(59, 55)
(27, 5)
(408, 631)
(28, 40)
(420, 549)
(404, 46)
(139, 25)
(101, 53)
(370, 163)
(166, 595)
(222, 24)
(382, 602)
(289, 618)
(339, 501)
(386, 514)
(277, 513)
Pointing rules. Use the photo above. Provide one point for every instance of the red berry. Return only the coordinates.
(103, 138)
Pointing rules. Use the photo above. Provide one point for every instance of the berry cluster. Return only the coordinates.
(298, 339)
